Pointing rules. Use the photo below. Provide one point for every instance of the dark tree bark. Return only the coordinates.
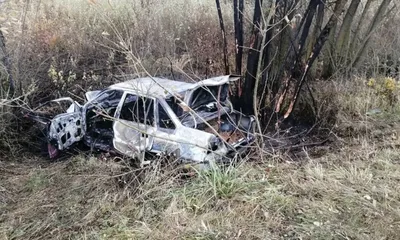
(328, 67)
(318, 26)
(238, 7)
(309, 16)
(314, 35)
(6, 62)
(252, 61)
(267, 50)
(266, 66)
(284, 48)
(225, 45)
(297, 64)
(316, 50)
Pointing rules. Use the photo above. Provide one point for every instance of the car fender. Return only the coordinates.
(193, 144)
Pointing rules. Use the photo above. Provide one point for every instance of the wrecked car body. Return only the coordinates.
(193, 121)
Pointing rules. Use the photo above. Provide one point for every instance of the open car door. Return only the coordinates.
(134, 126)
(66, 129)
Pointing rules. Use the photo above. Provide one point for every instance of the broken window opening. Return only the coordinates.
(107, 103)
(164, 120)
(173, 103)
(109, 95)
(138, 109)
(203, 96)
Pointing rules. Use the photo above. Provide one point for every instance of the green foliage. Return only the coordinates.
(222, 183)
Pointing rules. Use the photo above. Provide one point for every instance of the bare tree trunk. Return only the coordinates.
(263, 59)
(297, 63)
(252, 60)
(315, 33)
(225, 45)
(379, 16)
(317, 28)
(6, 62)
(284, 49)
(328, 54)
(316, 50)
(312, 7)
(266, 66)
(342, 42)
(356, 35)
(238, 7)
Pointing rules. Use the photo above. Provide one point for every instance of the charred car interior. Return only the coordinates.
(193, 121)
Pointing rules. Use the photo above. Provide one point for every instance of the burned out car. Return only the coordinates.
(193, 121)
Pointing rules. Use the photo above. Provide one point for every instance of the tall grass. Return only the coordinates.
(350, 194)
(61, 44)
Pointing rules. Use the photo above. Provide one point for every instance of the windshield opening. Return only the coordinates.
(208, 95)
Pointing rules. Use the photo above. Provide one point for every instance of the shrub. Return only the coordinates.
(385, 87)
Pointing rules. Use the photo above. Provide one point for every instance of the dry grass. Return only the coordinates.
(63, 44)
(351, 193)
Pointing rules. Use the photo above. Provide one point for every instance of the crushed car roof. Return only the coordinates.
(160, 87)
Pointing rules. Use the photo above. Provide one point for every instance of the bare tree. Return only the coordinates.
(252, 59)
(361, 21)
(376, 21)
(225, 44)
(6, 63)
(348, 47)
(342, 41)
(314, 54)
(285, 43)
(238, 8)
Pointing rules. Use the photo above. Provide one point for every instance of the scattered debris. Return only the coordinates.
(374, 111)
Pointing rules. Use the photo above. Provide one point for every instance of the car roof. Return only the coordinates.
(161, 87)
(154, 86)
